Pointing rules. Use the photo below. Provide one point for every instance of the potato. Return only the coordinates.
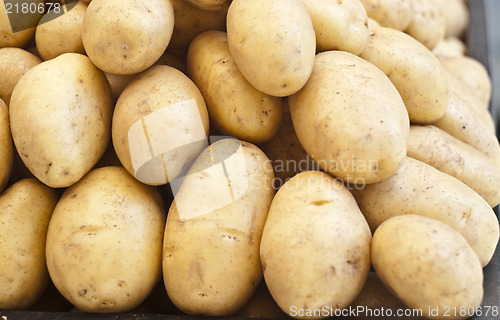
(339, 25)
(345, 89)
(104, 241)
(6, 149)
(272, 43)
(236, 108)
(456, 15)
(437, 148)
(464, 123)
(60, 117)
(60, 31)
(428, 24)
(450, 47)
(429, 266)
(14, 63)
(413, 69)
(126, 36)
(160, 125)
(261, 305)
(418, 188)
(304, 242)
(191, 21)
(211, 263)
(18, 20)
(25, 211)
(396, 14)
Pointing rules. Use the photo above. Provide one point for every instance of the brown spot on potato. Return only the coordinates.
(320, 202)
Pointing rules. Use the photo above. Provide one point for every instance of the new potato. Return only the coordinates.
(104, 241)
(428, 24)
(25, 211)
(396, 14)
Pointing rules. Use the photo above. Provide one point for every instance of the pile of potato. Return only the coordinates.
(256, 158)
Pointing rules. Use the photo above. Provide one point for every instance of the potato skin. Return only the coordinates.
(413, 69)
(182, 120)
(25, 211)
(418, 188)
(395, 14)
(366, 153)
(236, 108)
(104, 241)
(427, 264)
(435, 147)
(276, 62)
(6, 147)
(211, 263)
(428, 24)
(304, 241)
(60, 117)
(127, 36)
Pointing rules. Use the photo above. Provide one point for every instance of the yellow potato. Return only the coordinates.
(127, 36)
(413, 69)
(60, 117)
(456, 15)
(60, 31)
(18, 20)
(418, 188)
(191, 21)
(25, 211)
(14, 63)
(429, 266)
(428, 24)
(104, 241)
(160, 125)
(305, 242)
(435, 147)
(209, 5)
(396, 14)
(272, 43)
(236, 108)
(339, 25)
(6, 148)
(211, 263)
(345, 89)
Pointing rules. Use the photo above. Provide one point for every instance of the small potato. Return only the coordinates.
(61, 32)
(14, 63)
(450, 47)
(60, 117)
(236, 108)
(395, 14)
(127, 36)
(428, 24)
(342, 90)
(25, 211)
(437, 148)
(305, 242)
(211, 263)
(209, 5)
(104, 241)
(273, 44)
(191, 21)
(418, 188)
(160, 125)
(456, 15)
(413, 69)
(16, 27)
(428, 265)
(6, 148)
(339, 25)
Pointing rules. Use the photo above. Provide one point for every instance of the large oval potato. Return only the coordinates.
(342, 90)
(395, 14)
(160, 125)
(413, 69)
(25, 211)
(211, 263)
(418, 188)
(60, 117)
(444, 152)
(429, 266)
(339, 25)
(273, 44)
(104, 241)
(6, 147)
(127, 36)
(305, 242)
(428, 24)
(236, 108)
